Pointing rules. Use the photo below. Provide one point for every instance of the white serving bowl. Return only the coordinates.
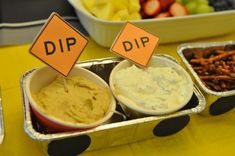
(135, 110)
(169, 30)
(42, 77)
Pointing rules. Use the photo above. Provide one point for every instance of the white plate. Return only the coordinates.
(169, 30)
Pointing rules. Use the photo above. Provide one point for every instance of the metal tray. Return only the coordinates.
(217, 102)
(117, 131)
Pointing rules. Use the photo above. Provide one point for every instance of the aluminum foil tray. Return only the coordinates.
(217, 102)
(117, 131)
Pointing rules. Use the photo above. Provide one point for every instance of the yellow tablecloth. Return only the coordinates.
(203, 136)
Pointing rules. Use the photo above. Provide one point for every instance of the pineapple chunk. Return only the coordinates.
(134, 6)
(123, 14)
(103, 11)
(114, 9)
(88, 4)
(135, 16)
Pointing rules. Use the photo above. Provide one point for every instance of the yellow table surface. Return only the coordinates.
(203, 136)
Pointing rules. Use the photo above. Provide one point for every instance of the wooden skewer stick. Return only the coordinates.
(65, 85)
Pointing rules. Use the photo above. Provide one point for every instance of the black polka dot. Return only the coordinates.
(171, 126)
(222, 105)
(69, 146)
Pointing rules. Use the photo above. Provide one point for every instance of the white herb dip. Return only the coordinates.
(154, 88)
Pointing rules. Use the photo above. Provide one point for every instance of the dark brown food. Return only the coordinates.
(215, 66)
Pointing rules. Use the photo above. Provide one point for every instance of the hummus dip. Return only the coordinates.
(85, 102)
(154, 88)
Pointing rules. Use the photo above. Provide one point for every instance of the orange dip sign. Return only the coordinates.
(58, 44)
(135, 44)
